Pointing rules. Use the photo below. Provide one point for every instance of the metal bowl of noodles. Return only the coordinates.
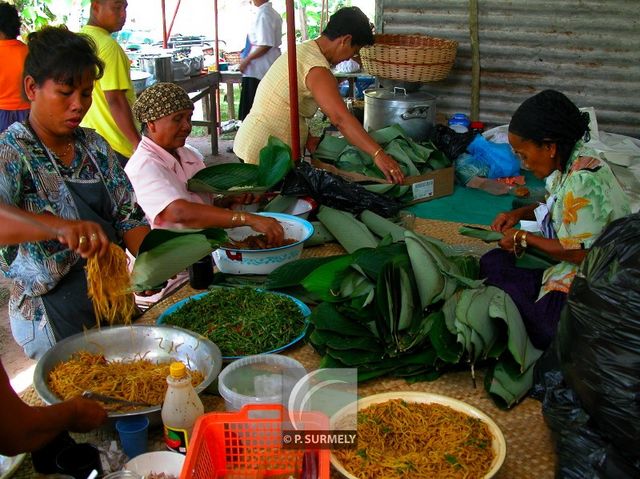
(158, 343)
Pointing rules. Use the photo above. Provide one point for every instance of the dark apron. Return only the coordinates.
(68, 306)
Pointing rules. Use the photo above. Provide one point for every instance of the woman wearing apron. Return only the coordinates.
(547, 133)
(51, 167)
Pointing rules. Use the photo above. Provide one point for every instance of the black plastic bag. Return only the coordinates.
(450, 142)
(332, 190)
(593, 405)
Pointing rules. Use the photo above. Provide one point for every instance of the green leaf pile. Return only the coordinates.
(237, 178)
(414, 158)
(404, 304)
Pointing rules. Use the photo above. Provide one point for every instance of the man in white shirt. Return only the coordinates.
(265, 38)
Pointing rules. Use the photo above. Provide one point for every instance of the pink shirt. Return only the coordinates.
(159, 179)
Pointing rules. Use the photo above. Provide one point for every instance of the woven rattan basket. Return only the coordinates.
(232, 58)
(414, 58)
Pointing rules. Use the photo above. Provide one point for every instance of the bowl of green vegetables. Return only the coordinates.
(242, 321)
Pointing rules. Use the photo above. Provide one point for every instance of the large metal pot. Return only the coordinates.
(160, 66)
(414, 112)
(139, 80)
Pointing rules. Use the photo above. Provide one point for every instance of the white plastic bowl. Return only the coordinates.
(301, 208)
(263, 261)
(259, 379)
(159, 461)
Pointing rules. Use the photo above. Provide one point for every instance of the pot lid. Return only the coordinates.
(397, 94)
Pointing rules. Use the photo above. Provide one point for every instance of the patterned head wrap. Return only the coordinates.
(160, 100)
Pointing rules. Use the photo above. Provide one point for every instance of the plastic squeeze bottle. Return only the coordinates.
(180, 409)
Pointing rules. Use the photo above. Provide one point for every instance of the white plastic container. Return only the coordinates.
(259, 379)
(181, 407)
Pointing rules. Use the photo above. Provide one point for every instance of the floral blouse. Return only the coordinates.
(588, 197)
(29, 180)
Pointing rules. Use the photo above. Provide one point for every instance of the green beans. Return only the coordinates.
(242, 321)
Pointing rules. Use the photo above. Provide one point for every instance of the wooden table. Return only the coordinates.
(205, 86)
(229, 78)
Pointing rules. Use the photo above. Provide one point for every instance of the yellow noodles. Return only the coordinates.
(140, 380)
(398, 439)
(108, 287)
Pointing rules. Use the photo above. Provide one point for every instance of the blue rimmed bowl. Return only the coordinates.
(304, 309)
(263, 261)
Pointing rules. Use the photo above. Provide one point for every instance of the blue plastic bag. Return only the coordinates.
(499, 157)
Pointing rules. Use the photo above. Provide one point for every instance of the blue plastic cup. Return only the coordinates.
(133, 432)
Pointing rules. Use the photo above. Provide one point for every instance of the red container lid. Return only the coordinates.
(476, 125)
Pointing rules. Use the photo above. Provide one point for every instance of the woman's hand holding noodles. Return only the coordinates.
(84, 237)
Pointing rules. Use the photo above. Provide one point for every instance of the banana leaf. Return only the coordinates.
(326, 279)
(330, 339)
(519, 344)
(330, 148)
(326, 317)
(535, 259)
(220, 178)
(275, 162)
(382, 226)
(428, 276)
(158, 236)
(280, 204)
(506, 384)
(398, 302)
(159, 263)
(356, 358)
(320, 236)
(371, 261)
(292, 273)
(488, 236)
(388, 134)
(236, 178)
(350, 233)
(444, 343)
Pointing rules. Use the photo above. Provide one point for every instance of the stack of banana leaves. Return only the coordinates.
(414, 158)
(404, 304)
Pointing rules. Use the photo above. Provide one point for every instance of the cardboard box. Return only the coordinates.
(435, 184)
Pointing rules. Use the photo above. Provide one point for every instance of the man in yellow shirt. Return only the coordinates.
(113, 94)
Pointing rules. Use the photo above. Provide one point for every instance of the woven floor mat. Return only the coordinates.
(530, 451)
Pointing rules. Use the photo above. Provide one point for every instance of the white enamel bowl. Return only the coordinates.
(263, 261)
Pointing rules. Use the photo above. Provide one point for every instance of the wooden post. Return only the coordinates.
(475, 59)
(293, 82)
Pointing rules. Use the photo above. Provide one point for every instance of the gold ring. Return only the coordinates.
(94, 237)
(82, 240)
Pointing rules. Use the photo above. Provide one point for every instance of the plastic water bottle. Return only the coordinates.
(181, 407)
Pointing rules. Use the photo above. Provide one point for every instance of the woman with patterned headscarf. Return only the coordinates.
(547, 132)
(162, 164)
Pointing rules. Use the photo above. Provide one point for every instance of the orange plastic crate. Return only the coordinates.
(248, 445)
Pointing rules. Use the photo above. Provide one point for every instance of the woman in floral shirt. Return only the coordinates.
(57, 171)
(547, 133)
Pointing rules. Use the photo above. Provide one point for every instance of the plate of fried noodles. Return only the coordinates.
(125, 362)
(415, 434)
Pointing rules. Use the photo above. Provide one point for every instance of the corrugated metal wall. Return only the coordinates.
(588, 49)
